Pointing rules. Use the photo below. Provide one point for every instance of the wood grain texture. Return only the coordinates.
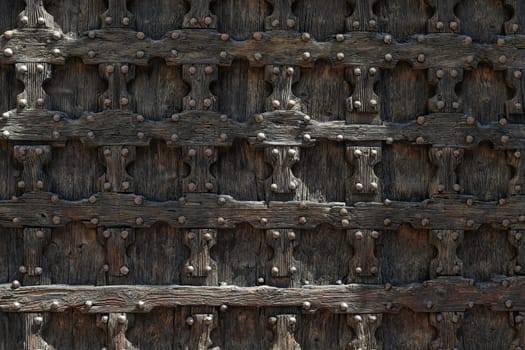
(353, 298)
(286, 174)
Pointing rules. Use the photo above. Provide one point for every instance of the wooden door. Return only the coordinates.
(262, 174)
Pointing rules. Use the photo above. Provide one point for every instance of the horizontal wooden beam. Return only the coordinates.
(443, 294)
(271, 128)
(274, 47)
(42, 209)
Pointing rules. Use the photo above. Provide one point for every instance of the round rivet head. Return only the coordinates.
(305, 37)
(124, 270)
(24, 19)
(343, 306)
(340, 56)
(261, 136)
(508, 304)
(8, 52)
(453, 26)
(8, 34)
(208, 20)
(339, 37)
(388, 57)
(387, 39)
(421, 58)
(469, 139)
(502, 59)
(440, 25)
(141, 35)
(306, 56)
(504, 139)
(225, 37)
(15, 284)
(420, 120)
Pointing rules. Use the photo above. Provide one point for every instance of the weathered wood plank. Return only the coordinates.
(443, 294)
(274, 47)
(44, 209)
(270, 128)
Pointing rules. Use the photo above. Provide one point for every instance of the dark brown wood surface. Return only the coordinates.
(266, 174)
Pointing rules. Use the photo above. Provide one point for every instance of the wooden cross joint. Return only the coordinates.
(199, 15)
(447, 325)
(445, 160)
(34, 269)
(363, 17)
(35, 15)
(283, 265)
(282, 159)
(116, 240)
(515, 80)
(200, 159)
(200, 266)
(282, 78)
(364, 327)
(517, 182)
(517, 322)
(515, 24)
(116, 177)
(199, 77)
(447, 262)
(364, 266)
(443, 19)
(517, 240)
(118, 75)
(282, 17)
(284, 327)
(33, 75)
(364, 104)
(117, 15)
(363, 185)
(200, 326)
(34, 324)
(115, 325)
(33, 159)
(445, 80)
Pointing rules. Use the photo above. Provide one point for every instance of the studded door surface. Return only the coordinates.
(262, 174)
